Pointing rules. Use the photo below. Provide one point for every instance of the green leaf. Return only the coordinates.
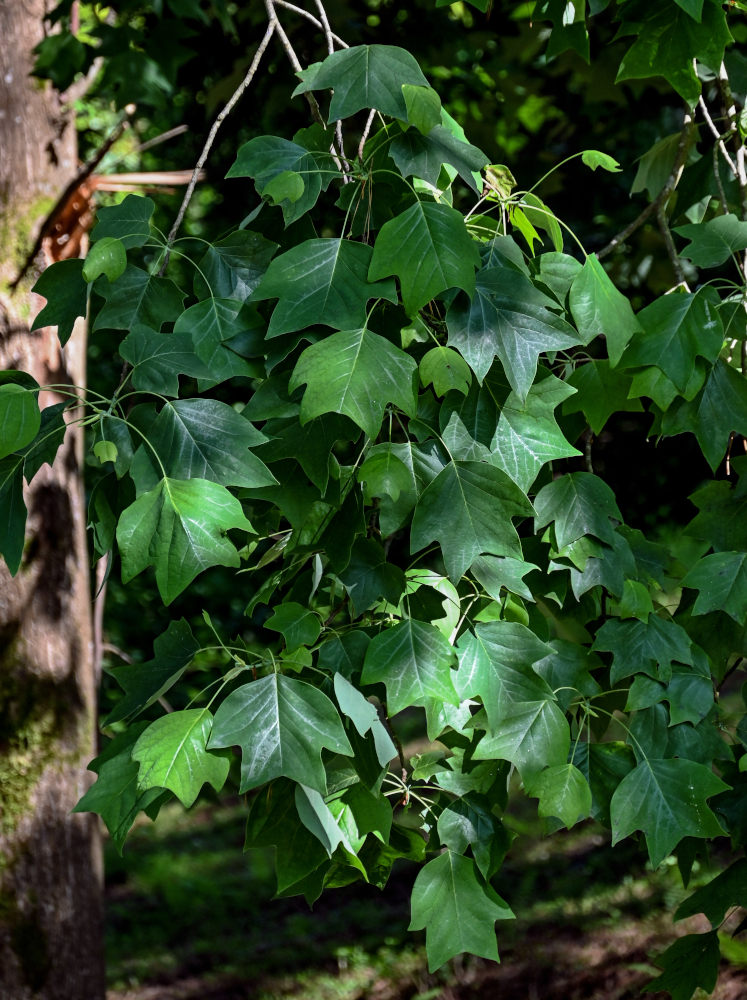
(509, 317)
(232, 267)
(721, 579)
(457, 910)
(207, 326)
(369, 576)
(727, 889)
(115, 795)
(666, 799)
(444, 369)
(423, 156)
(204, 439)
(600, 391)
(579, 504)
(566, 670)
(281, 725)
(563, 792)
(527, 436)
(384, 474)
(179, 528)
(63, 286)
(495, 665)
(159, 358)
(655, 166)
(108, 257)
(273, 822)
(20, 418)
(691, 961)
(599, 309)
(356, 373)
(496, 572)
(470, 822)
(128, 222)
(668, 41)
(722, 517)
(677, 329)
(713, 242)
(298, 625)
(593, 158)
(321, 282)
(650, 647)
(364, 76)
(316, 816)
(468, 509)
(364, 717)
(145, 683)
(171, 753)
(423, 107)
(414, 661)
(287, 172)
(429, 249)
(532, 735)
(12, 512)
(138, 298)
(719, 409)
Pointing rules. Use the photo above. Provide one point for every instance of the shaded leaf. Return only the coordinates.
(563, 793)
(599, 309)
(689, 962)
(721, 579)
(63, 286)
(138, 298)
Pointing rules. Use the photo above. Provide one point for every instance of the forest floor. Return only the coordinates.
(190, 917)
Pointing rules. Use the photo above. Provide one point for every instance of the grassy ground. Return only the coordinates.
(190, 917)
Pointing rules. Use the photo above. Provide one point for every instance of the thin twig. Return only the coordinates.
(366, 130)
(314, 20)
(716, 134)
(683, 148)
(330, 50)
(717, 174)
(661, 218)
(271, 28)
(277, 27)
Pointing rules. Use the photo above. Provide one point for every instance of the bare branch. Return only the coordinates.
(683, 148)
(366, 130)
(271, 28)
(314, 20)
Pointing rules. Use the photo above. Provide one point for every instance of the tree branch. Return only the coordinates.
(271, 27)
(683, 148)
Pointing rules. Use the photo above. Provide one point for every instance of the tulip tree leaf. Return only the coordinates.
(171, 753)
(418, 155)
(364, 76)
(144, 683)
(12, 512)
(599, 309)
(666, 799)
(468, 508)
(457, 909)
(511, 318)
(232, 267)
(721, 579)
(429, 249)
(713, 242)
(423, 107)
(495, 665)
(63, 286)
(650, 647)
(719, 895)
(414, 661)
(281, 725)
(563, 793)
(206, 439)
(471, 822)
(676, 330)
(159, 358)
(578, 504)
(356, 373)
(179, 528)
(532, 735)
(600, 391)
(719, 409)
(298, 625)
(689, 962)
(321, 282)
(128, 222)
(527, 436)
(138, 298)
(20, 417)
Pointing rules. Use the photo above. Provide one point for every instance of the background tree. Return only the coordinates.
(50, 869)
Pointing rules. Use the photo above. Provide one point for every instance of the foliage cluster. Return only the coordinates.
(375, 399)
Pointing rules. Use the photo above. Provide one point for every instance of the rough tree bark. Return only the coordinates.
(50, 870)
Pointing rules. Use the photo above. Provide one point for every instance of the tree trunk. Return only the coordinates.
(50, 870)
